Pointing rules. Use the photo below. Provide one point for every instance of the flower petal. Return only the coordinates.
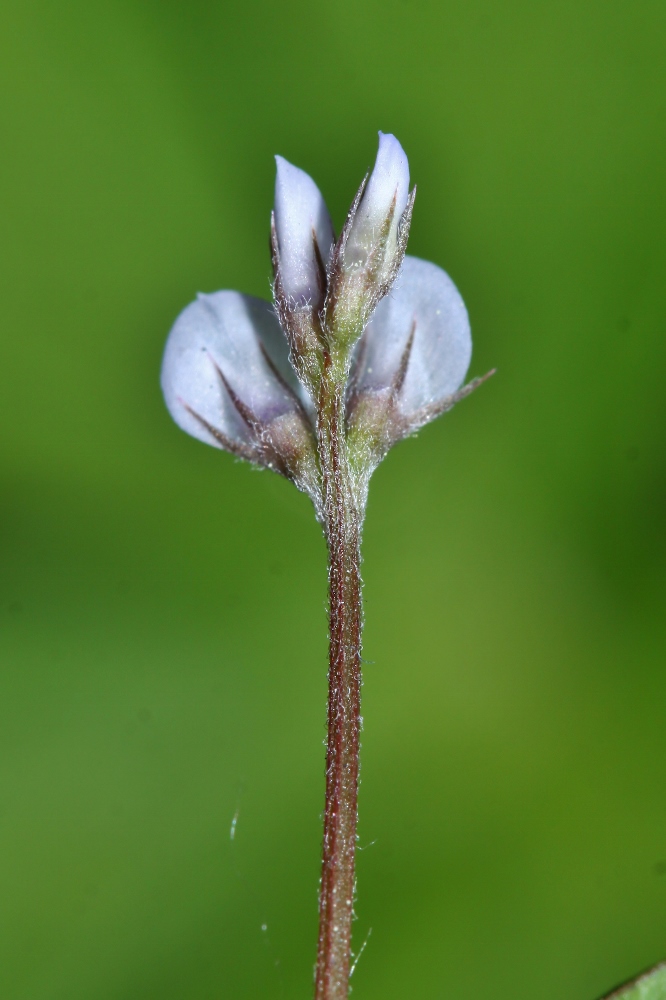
(423, 299)
(300, 211)
(223, 337)
(388, 180)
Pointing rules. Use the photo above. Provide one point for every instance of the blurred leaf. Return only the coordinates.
(650, 985)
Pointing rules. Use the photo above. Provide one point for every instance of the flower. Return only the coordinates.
(353, 320)
(227, 380)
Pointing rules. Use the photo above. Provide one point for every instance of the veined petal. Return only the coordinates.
(215, 362)
(300, 217)
(388, 181)
(424, 304)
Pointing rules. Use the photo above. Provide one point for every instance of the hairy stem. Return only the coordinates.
(343, 520)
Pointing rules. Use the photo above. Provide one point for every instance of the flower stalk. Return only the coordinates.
(343, 517)
(362, 347)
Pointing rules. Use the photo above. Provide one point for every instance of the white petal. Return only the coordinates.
(225, 329)
(425, 296)
(388, 180)
(300, 210)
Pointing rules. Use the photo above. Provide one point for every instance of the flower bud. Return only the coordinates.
(304, 235)
(367, 257)
(374, 230)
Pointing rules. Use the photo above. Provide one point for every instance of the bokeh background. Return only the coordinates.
(162, 608)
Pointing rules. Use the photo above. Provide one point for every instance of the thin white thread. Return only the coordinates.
(361, 950)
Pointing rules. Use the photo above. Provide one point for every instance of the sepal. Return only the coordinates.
(300, 324)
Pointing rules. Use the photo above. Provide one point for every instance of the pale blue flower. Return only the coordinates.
(243, 375)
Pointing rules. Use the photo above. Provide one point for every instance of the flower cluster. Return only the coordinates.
(358, 333)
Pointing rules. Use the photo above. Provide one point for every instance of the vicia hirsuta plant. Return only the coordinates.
(361, 347)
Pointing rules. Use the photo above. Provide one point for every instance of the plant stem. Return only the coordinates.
(343, 519)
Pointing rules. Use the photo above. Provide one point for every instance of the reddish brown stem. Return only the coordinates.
(343, 528)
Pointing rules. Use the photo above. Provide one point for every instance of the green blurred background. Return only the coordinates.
(162, 622)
